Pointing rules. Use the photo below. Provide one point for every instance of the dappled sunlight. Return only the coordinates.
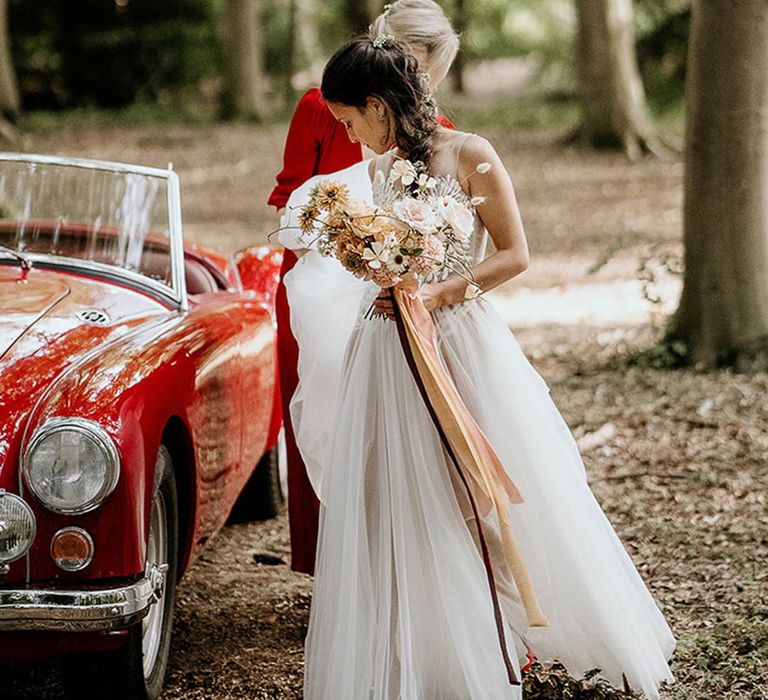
(593, 303)
(566, 290)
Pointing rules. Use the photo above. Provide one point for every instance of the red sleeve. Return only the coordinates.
(444, 121)
(301, 147)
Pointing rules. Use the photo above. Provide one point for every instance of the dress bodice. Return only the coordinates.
(385, 194)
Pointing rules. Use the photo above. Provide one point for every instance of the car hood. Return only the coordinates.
(48, 321)
(22, 303)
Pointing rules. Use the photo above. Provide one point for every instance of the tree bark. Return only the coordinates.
(243, 75)
(290, 52)
(722, 318)
(460, 22)
(613, 109)
(9, 90)
(307, 31)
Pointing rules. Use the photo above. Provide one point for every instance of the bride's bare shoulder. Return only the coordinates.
(473, 151)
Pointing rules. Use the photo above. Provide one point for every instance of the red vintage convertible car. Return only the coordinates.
(138, 408)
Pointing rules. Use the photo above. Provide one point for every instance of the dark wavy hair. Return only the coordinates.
(384, 69)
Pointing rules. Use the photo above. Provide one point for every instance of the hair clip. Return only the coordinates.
(383, 40)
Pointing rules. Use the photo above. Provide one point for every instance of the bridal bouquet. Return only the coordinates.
(420, 233)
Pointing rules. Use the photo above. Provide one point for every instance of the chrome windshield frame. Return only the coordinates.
(178, 292)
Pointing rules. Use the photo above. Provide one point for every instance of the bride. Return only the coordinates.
(401, 606)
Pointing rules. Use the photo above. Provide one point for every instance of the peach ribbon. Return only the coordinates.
(480, 461)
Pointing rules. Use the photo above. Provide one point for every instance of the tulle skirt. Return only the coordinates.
(401, 606)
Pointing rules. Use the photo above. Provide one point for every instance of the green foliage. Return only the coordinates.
(662, 48)
(33, 36)
(333, 29)
(725, 657)
(180, 107)
(500, 28)
(525, 112)
(276, 24)
(668, 354)
(110, 53)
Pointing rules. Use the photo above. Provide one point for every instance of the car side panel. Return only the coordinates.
(184, 365)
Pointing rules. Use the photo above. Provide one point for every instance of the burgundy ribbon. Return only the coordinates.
(475, 510)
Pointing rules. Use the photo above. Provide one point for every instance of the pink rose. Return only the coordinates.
(457, 216)
(416, 214)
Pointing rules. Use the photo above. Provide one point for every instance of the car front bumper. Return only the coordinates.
(83, 610)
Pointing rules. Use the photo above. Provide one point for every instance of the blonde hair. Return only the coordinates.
(421, 25)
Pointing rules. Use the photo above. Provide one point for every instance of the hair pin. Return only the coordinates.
(383, 40)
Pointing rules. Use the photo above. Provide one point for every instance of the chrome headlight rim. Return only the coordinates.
(26, 507)
(103, 440)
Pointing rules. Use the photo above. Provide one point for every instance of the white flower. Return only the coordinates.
(378, 178)
(397, 262)
(427, 181)
(457, 216)
(404, 171)
(390, 240)
(358, 208)
(477, 201)
(483, 168)
(376, 256)
(416, 214)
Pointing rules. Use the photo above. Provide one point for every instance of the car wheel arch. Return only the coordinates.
(177, 440)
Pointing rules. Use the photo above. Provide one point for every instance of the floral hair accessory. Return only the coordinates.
(383, 40)
(426, 85)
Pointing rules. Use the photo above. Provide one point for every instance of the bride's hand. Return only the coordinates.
(430, 296)
(384, 303)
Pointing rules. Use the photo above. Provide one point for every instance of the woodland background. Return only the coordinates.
(636, 134)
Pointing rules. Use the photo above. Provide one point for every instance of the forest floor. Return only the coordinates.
(676, 458)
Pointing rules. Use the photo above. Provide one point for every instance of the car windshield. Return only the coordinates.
(87, 215)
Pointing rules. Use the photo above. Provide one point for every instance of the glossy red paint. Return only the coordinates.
(212, 369)
(259, 271)
(217, 261)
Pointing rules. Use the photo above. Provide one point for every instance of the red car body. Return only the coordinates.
(201, 380)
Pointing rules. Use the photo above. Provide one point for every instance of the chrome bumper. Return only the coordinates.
(81, 610)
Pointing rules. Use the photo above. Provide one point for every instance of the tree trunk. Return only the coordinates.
(723, 314)
(613, 110)
(9, 90)
(360, 14)
(243, 75)
(307, 31)
(460, 21)
(290, 53)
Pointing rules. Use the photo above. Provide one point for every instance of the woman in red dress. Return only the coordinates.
(318, 144)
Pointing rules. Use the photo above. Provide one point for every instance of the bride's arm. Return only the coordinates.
(500, 216)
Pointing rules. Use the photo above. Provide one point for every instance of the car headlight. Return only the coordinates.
(71, 465)
(17, 527)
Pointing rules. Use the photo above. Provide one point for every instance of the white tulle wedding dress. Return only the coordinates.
(401, 606)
